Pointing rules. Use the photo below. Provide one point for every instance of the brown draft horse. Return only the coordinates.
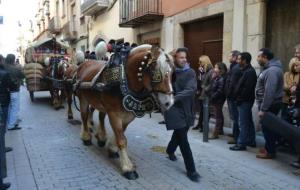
(111, 104)
(56, 75)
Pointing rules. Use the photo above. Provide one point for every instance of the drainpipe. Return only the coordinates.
(88, 35)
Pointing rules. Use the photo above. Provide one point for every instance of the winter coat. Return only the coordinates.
(245, 87)
(269, 87)
(217, 92)
(16, 75)
(181, 114)
(232, 79)
(206, 84)
(5, 86)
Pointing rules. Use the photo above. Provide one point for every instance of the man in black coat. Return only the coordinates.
(232, 78)
(5, 85)
(181, 115)
(244, 94)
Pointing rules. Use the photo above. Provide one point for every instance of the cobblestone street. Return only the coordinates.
(48, 155)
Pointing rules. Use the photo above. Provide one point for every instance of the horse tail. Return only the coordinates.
(75, 103)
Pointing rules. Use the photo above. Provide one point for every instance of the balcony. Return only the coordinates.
(70, 32)
(54, 25)
(134, 13)
(92, 7)
(83, 30)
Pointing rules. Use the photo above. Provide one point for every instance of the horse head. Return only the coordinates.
(151, 68)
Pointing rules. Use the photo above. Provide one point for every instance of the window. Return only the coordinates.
(63, 8)
(82, 20)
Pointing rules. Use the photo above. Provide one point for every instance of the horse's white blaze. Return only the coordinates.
(126, 164)
(165, 100)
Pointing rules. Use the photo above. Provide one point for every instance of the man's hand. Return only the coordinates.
(261, 114)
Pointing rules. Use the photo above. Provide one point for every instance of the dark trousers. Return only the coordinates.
(218, 113)
(3, 120)
(247, 129)
(269, 135)
(200, 120)
(234, 116)
(180, 138)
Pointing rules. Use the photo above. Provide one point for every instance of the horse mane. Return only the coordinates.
(140, 48)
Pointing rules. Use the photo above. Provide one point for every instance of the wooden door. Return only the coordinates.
(204, 37)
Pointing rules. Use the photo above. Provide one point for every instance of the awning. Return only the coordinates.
(49, 41)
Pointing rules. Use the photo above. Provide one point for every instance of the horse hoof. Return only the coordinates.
(113, 155)
(132, 175)
(70, 117)
(87, 142)
(101, 143)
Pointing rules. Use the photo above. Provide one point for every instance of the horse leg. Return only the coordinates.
(61, 99)
(84, 111)
(69, 100)
(91, 121)
(121, 141)
(101, 133)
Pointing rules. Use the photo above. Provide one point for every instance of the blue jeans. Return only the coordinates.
(13, 110)
(234, 116)
(247, 129)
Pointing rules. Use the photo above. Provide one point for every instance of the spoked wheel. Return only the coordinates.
(31, 96)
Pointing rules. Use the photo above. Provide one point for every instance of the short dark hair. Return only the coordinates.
(222, 67)
(10, 59)
(235, 53)
(183, 49)
(246, 56)
(267, 53)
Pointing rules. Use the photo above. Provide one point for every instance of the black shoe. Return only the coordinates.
(5, 186)
(8, 149)
(201, 130)
(162, 122)
(238, 148)
(296, 164)
(15, 128)
(194, 176)
(196, 128)
(172, 157)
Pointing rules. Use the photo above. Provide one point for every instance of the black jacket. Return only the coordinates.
(16, 75)
(181, 114)
(5, 86)
(232, 79)
(245, 88)
(217, 93)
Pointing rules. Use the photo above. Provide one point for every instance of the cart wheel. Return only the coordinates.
(31, 96)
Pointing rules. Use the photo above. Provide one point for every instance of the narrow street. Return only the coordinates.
(48, 154)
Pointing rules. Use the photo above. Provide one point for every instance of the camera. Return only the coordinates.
(294, 116)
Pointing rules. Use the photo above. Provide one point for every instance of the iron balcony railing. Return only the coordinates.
(54, 25)
(70, 32)
(137, 12)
